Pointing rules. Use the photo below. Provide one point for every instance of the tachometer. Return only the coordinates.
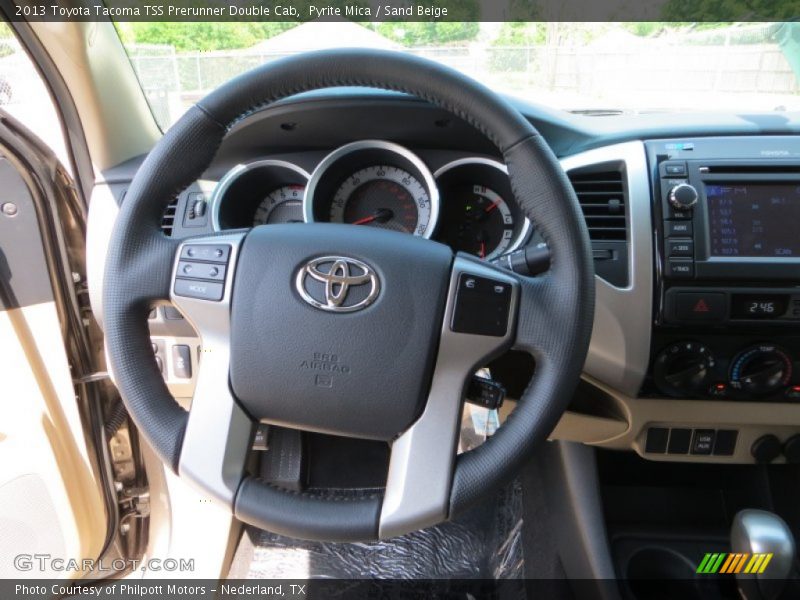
(383, 196)
(283, 205)
(257, 193)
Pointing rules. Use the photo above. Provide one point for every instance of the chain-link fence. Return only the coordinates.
(24, 96)
(667, 72)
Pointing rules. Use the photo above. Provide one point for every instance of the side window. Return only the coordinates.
(25, 97)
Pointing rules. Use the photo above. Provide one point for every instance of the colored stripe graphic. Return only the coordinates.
(753, 564)
(767, 558)
(739, 565)
(701, 568)
(717, 562)
(731, 563)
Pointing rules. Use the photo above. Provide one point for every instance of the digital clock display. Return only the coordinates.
(759, 306)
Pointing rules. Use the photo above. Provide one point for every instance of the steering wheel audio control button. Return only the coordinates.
(482, 306)
(218, 253)
(195, 270)
(202, 290)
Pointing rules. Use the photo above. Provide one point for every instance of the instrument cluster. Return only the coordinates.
(467, 203)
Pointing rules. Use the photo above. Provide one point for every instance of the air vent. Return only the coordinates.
(602, 198)
(168, 220)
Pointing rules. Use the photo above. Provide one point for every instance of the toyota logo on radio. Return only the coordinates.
(337, 284)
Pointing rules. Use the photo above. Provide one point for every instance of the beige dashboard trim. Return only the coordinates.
(750, 419)
(620, 345)
(114, 113)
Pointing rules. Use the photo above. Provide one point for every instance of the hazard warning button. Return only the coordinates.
(701, 306)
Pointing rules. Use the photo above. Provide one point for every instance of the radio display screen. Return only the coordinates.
(754, 219)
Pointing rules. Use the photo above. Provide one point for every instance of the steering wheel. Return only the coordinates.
(350, 331)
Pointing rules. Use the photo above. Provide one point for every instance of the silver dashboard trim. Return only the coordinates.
(480, 160)
(231, 176)
(620, 346)
(341, 151)
(218, 432)
(423, 457)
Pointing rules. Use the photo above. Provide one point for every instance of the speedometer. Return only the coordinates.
(373, 183)
(383, 196)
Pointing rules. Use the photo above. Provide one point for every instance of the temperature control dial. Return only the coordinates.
(683, 369)
(761, 369)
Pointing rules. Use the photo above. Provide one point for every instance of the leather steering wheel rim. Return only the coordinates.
(553, 322)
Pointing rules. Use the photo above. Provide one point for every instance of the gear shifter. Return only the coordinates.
(759, 531)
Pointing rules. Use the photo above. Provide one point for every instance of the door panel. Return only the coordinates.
(51, 500)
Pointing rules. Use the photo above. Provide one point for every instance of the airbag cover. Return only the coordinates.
(363, 373)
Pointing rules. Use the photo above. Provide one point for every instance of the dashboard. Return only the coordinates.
(695, 353)
(466, 203)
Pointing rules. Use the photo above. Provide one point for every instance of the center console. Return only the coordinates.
(723, 377)
(727, 235)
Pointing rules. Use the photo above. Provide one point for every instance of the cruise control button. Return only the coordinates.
(701, 306)
(202, 290)
(207, 252)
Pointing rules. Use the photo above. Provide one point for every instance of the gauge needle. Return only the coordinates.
(482, 240)
(492, 206)
(381, 216)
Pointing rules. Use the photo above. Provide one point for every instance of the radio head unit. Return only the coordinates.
(731, 220)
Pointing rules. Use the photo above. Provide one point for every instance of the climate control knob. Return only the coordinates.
(683, 196)
(683, 369)
(761, 370)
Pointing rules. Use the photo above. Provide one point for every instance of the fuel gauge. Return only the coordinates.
(476, 219)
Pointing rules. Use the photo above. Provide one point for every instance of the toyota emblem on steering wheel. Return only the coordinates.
(337, 284)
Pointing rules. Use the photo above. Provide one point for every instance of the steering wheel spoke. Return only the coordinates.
(218, 431)
(479, 323)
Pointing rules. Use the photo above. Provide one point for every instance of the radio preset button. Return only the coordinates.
(680, 248)
(679, 268)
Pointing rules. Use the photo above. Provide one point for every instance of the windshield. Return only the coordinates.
(596, 68)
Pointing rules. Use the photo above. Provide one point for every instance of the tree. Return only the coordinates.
(203, 36)
(705, 11)
(428, 34)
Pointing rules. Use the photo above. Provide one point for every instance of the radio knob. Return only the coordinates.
(761, 370)
(683, 196)
(683, 369)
